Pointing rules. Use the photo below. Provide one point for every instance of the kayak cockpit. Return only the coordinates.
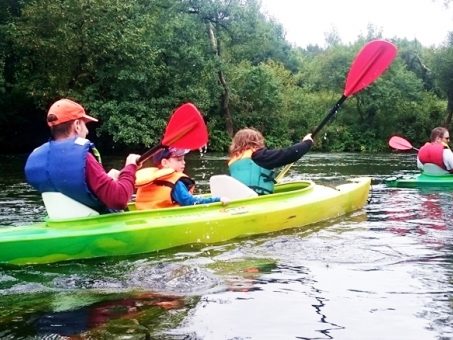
(281, 190)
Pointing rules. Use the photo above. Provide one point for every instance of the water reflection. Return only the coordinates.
(92, 314)
(385, 272)
(96, 317)
(429, 215)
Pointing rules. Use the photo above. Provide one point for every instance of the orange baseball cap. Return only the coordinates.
(66, 110)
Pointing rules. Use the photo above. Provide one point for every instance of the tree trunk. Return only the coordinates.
(225, 98)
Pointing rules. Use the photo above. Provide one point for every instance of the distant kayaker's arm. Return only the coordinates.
(448, 159)
(114, 194)
(419, 164)
(183, 197)
(271, 159)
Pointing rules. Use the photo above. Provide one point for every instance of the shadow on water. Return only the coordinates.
(385, 272)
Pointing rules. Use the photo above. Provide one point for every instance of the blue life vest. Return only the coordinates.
(245, 170)
(59, 166)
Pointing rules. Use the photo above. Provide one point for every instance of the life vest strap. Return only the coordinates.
(164, 183)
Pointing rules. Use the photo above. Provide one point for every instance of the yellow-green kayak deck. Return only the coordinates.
(294, 204)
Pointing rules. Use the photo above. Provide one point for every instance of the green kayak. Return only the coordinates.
(432, 176)
(294, 204)
(422, 180)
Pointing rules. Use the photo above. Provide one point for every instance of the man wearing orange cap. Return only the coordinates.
(67, 163)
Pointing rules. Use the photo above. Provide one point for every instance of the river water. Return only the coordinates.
(385, 272)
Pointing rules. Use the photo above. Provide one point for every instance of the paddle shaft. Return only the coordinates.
(415, 148)
(326, 119)
(366, 67)
(329, 116)
(148, 154)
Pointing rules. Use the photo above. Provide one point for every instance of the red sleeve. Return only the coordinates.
(113, 194)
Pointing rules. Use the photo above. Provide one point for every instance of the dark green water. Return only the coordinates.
(385, 272)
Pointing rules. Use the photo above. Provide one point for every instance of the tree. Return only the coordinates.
(106, 54)
(443, 68)
(237, 32)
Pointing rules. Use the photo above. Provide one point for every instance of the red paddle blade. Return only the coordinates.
(372, 60)
(399, 143)
(186, 129)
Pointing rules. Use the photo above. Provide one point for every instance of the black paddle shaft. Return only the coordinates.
(331, 114)
(148, 154)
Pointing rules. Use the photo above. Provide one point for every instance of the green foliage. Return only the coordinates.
(327, 71)
(341, 138)
(443, 69)
(132, 63)
(256, 95)
(443, 65)
(134, 122)
(220, 140)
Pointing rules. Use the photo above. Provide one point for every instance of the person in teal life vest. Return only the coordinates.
(253, 164)
(166, 185)
(67, 163)
(437, 151)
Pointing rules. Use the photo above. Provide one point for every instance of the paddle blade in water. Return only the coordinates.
(371, 61)
(400, 143)
(186, 129)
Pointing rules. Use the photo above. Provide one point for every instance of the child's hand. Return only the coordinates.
(224, 200)
(307, 137)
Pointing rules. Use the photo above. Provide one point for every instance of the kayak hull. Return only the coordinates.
(294, 204)
(421, 181)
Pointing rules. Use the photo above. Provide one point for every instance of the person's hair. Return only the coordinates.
(244, 139)
(61, 130)
(437, 132)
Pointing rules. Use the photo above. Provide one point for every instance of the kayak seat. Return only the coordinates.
(431, 169)
(60, 206)
(229, 187)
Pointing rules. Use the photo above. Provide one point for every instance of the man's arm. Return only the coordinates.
(448, 159)
(419, 164)
(114, 194)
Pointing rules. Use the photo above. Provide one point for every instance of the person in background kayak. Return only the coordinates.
(166, 184)
(437, 151)
(253, 164)
(67, 163)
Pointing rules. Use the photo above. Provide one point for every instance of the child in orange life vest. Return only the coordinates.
(166, 185)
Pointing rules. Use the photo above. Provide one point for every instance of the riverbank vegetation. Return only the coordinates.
(130, 63)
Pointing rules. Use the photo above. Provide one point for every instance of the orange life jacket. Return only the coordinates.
(155, 186)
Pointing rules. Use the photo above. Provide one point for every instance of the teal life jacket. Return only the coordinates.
(245, 170)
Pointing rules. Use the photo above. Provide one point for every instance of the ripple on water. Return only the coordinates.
(171, 277)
